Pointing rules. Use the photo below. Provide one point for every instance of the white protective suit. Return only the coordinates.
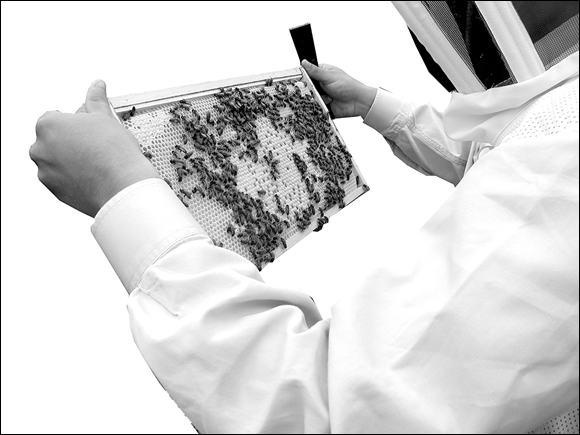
(472, 327)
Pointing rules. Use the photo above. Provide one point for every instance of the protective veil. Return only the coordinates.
(514, 50)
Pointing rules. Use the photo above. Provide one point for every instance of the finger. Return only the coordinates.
(97, 101)
(82, 109)
(44, 120)
(327, 100)
(315, 72)
(32, 153)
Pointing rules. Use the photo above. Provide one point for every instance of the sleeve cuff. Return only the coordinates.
(383, 114)
(138, 225)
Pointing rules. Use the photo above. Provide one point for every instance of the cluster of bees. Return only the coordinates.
(206, 154)
(273, 165)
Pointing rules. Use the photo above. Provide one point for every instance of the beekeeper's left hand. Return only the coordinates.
(85, 158)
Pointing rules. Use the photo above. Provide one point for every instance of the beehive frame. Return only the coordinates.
(149, 117)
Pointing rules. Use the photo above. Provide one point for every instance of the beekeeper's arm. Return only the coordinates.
(470, 327)
(237, 355)
(415, 133)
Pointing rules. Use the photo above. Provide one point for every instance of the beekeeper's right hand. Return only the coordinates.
(347, 96)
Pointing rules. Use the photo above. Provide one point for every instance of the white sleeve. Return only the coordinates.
(470, 327)
(417, 137)
(236, 355)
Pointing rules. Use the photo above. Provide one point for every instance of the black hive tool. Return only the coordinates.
(304, 43)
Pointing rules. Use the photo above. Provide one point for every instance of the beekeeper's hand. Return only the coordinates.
(347, 96)
(85, 158)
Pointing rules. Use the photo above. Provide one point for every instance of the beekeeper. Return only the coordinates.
(471, 328)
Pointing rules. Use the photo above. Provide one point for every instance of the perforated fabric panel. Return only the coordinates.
(566, 424)
(553, 112)
(283, 198)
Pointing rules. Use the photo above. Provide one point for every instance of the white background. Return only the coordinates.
(69, 363)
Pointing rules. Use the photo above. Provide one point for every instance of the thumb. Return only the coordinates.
(97, 101)
(314, 71)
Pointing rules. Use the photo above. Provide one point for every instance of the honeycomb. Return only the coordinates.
(258, 164)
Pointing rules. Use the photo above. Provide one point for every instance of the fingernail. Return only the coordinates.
(99, 84)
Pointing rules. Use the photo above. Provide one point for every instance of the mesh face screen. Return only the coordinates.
(258, 166)
(543, 17)
(552, 26)
(559, 43)
(465, 29)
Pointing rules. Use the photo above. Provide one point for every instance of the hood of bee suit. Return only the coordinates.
(495, 57)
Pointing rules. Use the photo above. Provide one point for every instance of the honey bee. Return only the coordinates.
(185, 193)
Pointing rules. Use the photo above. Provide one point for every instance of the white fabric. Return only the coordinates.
(165, 223)
(483, 116)
(448, 144)
(566, 423)
(550, 114)
(416, 135)
(471, 327)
